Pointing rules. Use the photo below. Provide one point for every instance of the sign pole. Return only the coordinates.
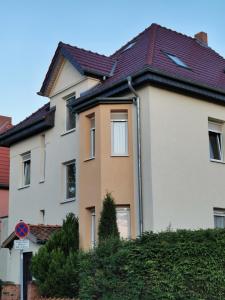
(21, 274)
(21, 230)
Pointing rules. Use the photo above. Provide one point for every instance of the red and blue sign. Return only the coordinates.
(22, 230)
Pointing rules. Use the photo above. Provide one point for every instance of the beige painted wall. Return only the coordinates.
(61, 147)
(104, 173)
(180, 181)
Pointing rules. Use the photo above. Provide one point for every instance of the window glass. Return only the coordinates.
(26, 158)
(123, 221)
(93, 234)
(70, 116)
(119, 133)
(70, 180)
(92, 137)
(219, 218)
(215, 140)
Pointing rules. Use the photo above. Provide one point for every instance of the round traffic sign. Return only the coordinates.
(22, 230)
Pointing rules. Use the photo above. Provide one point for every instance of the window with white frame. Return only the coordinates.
(215, 141)
(92, 137)
(93, 229)
(119, 133)
(70, 180)
(26, 168)
(70, 115)
(123, 221)
(219, 217)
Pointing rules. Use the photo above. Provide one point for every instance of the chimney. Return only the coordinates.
(202, 37)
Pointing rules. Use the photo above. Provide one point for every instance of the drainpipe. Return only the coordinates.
(138, 117)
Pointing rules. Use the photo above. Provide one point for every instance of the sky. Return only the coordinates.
(30, 31)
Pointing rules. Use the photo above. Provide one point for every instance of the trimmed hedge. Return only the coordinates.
(169, 265)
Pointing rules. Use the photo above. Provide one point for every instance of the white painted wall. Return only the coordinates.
(181, 185)
(26, 203)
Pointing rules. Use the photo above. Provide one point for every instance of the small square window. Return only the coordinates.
(215, 141)
(26, 168)
(70, 180)
(70, 115)
(219, 218)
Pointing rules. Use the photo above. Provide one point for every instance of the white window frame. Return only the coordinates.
(216, 127)
(25, 158)
(66, 164)
(67, 99)
(92, 137)
(122, 120)
(124, 209)
(219, 212)
(93, 228)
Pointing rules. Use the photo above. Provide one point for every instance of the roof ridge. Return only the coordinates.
(151, 44)
(79, 48)
(190, 37)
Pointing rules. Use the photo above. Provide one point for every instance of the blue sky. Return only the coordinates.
(31, 30)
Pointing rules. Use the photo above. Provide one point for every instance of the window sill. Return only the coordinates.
(217, 161)
(119, 155)
(68, 201)
(88, 159)
(24, 187)
(68, 132)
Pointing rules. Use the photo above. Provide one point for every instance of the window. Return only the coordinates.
(93, 229)
(26, 166)
(119, 133)
(219, 218)
(70, 180)
(177, 60)
(70, 116)
(43, 158)
(215, 141)
(92, 137)
(123, 221)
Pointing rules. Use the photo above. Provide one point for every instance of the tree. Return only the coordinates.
(107, 224)
(55, 266)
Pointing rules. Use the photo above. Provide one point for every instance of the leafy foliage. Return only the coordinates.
(107, 224)
(55, 266)
(169, 265)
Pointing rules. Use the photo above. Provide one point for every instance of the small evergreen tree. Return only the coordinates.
(107, 224)
(55, 266)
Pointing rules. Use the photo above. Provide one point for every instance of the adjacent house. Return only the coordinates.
(146, 124)
(5, 124)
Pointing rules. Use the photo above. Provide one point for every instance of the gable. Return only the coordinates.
(68, 75)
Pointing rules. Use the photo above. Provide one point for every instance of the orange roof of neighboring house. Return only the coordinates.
(39, 234)
(5, 124)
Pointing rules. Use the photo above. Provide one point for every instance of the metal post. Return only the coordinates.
(21, 274)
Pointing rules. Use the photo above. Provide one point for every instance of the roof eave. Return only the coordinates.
(14, 136)
(155, 77)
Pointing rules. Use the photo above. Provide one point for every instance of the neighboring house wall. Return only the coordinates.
(181, 185)
(46, 191)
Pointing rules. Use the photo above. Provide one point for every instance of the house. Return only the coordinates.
(5, 124)
(146, 124)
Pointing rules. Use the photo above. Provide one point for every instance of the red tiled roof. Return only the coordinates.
(5, 124)
(40, 232)
(43, 232)
(206, 67)
(36, 116)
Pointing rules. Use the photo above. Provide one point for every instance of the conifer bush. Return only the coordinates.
(107, 224)
(55, 266)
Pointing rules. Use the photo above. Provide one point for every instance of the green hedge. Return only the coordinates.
(168, 265)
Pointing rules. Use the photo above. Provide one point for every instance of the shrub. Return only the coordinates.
(107, 224)
(55, 265)
(169, 265)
